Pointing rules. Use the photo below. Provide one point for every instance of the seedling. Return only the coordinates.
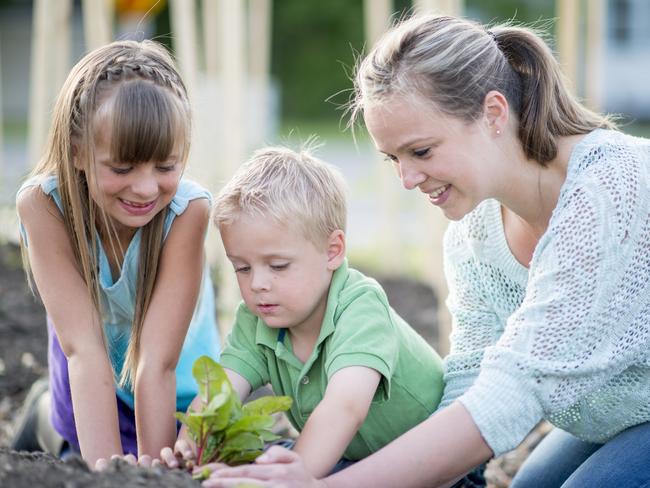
(223, 430)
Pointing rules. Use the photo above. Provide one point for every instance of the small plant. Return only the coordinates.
(223, 430)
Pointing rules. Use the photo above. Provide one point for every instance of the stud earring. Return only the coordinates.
(498, 131)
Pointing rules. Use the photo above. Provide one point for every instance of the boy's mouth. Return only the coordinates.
(266, 308)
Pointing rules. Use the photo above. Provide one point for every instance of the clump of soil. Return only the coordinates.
(29, 469)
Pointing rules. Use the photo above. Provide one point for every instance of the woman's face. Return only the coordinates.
(446, 158)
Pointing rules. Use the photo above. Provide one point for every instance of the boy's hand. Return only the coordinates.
(182, 456)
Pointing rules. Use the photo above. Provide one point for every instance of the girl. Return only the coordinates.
(113, 237)
(547, 261)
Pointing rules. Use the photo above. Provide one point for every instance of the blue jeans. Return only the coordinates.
(562, 460)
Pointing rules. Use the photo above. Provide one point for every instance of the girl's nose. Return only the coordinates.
(145, 183)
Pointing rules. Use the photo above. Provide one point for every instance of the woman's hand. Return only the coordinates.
(277, 467)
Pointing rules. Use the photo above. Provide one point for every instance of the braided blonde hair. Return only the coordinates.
(137, 85)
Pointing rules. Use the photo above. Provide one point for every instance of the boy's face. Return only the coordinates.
(283, 277)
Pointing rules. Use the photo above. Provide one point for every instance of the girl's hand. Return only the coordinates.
(102, 463)
(277, 467)
(181, 457)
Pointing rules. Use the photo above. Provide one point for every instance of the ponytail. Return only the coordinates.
(455, 63)
(547, 108)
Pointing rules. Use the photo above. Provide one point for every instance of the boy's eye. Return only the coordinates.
(279, 267)
(421, 152)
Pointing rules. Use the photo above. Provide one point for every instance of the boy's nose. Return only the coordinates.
(260, 281)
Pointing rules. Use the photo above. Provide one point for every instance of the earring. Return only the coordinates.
(498, 131)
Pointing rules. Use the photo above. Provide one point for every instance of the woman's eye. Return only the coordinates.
(391, 159)
(421, 152)
(279, 267)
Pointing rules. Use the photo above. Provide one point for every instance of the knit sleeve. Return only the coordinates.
(474, 321)
(583, 320)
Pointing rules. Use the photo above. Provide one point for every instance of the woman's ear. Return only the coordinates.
(335, 249)
(496, 112)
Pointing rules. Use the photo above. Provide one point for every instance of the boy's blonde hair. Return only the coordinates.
(291, 187)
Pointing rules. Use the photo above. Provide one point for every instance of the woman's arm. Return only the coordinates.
(337, 418)
(76, 322)
(438, 450)
(173, 300)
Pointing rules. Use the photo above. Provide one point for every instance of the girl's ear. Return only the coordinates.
(496, 111)
(335, 249)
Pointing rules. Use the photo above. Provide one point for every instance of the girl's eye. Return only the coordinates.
(279, 267)
(121, 170)
(242, 269)
(167, 168)
(420, 153)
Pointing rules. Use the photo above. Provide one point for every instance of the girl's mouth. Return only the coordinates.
(266, 308)
(136, 208)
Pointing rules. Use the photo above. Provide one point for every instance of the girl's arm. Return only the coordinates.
(337, 418)
(76, 322)
(180, 274)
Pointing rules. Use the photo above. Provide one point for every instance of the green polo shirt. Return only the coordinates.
(359, 329)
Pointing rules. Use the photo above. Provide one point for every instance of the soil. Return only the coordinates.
(23, 359)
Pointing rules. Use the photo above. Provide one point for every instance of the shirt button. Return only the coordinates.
(305, 380)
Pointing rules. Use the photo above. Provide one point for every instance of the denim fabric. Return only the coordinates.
(564, 461)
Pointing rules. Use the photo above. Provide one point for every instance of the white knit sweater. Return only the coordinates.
(569, 339)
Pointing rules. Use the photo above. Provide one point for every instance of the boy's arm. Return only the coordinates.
(337, 418)
(176, 291)
(76, 322)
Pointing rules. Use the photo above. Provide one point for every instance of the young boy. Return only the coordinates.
(315, 329)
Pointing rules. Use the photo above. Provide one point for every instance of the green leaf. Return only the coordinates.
(267, 405)
(250, 423)
(210, 377)
(268, 436)
(244, 441)
(193, 423)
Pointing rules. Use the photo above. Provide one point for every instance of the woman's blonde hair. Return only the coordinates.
(291, 187)
(456, 62)
(145, 103)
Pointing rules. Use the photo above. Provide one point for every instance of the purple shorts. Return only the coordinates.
(62, 415)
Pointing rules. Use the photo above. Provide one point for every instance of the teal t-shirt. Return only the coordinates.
(359, 329)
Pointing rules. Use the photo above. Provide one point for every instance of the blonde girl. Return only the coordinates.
(547, 260)
(113, 238)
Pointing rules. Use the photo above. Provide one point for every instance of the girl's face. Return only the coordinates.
(131, 194)
(446, 158)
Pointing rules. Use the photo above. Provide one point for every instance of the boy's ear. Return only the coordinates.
(335, 250)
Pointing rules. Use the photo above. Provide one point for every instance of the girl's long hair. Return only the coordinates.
(141, 96)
